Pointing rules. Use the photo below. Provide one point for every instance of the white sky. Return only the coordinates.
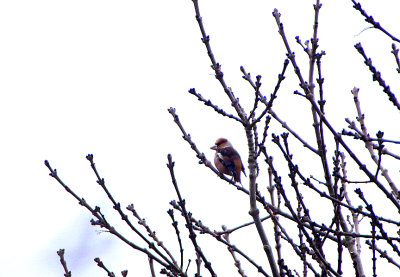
(79, 77)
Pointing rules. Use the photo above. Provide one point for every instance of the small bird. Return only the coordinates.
(227, 160)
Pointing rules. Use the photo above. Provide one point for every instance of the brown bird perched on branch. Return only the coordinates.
(227, 160)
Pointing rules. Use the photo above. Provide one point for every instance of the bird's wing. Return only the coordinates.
(232, 159)
(228, 153)
(227, 162)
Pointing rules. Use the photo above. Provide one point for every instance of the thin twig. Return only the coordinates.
(268, 105)
(240, 226)
(151, 264)
(384, 255)
(237, 261)
(102, 222)
(101, 265)
(124, 217)
(151, 233)
(199, 225)
(61, 253)
(209, 104)
(371, 20)
(219, 75)
(300, 223)
(375, 221)
(175, 225)
(376, 76)
(186, 215)
(369, 146)
(286, 126)
(395, 52)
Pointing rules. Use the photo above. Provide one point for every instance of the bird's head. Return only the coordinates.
(221, 143)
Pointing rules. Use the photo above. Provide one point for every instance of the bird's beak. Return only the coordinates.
(214, 147)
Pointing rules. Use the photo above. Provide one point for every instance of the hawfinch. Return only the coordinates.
(227, 159)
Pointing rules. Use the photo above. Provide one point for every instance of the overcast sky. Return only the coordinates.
(80, 77)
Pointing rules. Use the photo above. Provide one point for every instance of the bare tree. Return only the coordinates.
(328, 246)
